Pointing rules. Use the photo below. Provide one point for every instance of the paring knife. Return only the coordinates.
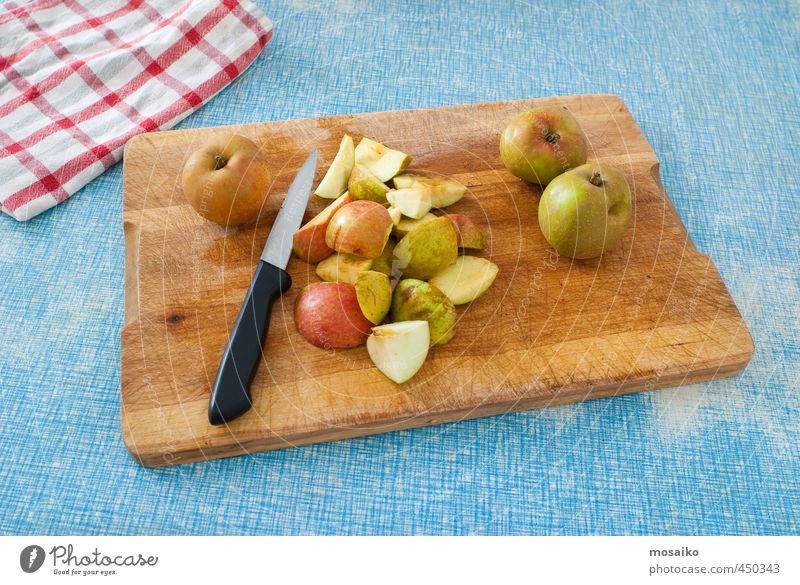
(231, 395)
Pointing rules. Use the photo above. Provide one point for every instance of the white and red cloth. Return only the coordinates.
(79, 78)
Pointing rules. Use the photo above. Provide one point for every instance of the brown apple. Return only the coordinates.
(361, 228)
(329, 316)
(226, 180)
(309, 241)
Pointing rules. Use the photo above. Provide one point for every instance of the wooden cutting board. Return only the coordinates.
(653, 312)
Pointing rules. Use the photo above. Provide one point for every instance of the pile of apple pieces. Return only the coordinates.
(384, 257)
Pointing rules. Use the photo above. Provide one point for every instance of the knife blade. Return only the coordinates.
(230, 397)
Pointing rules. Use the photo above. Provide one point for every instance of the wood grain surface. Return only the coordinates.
(651, 313)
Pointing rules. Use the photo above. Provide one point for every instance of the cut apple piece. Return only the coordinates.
(365, 185)
(413, 202)
(309, 241)
(395, 214)
(466, 280)
(374, 294)
(361, 228)
(405, 225)
(383, 263)
(342, 267)
(382, 161)
(470, 234)
(444, 192)
(398, 350)
(334, 183)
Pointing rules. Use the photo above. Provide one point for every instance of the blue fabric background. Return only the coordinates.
(714, 87)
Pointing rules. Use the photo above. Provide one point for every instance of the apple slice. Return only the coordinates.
(382, 161)
(342, 267)
(395, 214)
(383, 263)
(334, 183)
(444, 192)
(309, 241)
(470, 234)
(405, 225)
(364, 185)
(361, 228)
(413, 202)
(398, 350)
(466, 280)
(374, 294)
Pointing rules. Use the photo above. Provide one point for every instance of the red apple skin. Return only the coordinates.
(309, 241)
(470, 234)
(540, 144)
(361, 228)
(328, 315)
(226, 180)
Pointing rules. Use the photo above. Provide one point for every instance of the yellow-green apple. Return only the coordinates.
(418, 300)
(406, 224)
(364, 185)
(465, 280)
(585, 211)
(470, 234)
(334, 183)
(540, 144)
(360, 228)
(374, 292)
(328, 315)
(342, 267)
(398, 350)
(309, 241)
(226, 180)
(427, 249)
(443, 191)
(413, 202)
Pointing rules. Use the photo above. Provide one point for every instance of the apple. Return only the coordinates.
(226, 180)
(328, 315)
(466, 280)
(342, 267)
(334, 183)
(585, 211)
(360, 228)
(540, 144)
(470, 234)
(383, 263)
(364, 185)
(398, 350)
(383, 162)
(414, 202)
(416, 299)
(309, 241)
(406, 224)
(374, 293)
(395, 214)
(427, 249)
(444, 192)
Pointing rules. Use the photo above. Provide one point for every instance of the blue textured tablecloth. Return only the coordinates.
(714, 87)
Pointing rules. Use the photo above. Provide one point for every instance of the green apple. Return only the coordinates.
(470, 234)
(444, 192)
(398, 350)
(466, 280)
(365, 185)
(540, 144)
(374, 292)
(585, 211)
(383, 162)
(334, 183)
(417, 300)
(406, 224)
(427, 249)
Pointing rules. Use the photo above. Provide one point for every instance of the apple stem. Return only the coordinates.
(552, 137)
(219, 162)
(596, 179)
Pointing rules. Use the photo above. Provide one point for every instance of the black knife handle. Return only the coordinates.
(231, 395)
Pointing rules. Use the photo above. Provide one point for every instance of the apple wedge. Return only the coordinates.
(383, 263)
(465, 280)
(395, 214)
(361, 228)
(444, 192)
(365, 185)
(413, 202)
(374, 294)
(334, 183)
(470, 234)
(342, 267)
(405, 225)
(382, 161)
(309, 241)
(398, 350)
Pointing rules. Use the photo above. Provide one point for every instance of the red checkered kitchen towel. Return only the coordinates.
(79, 78)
